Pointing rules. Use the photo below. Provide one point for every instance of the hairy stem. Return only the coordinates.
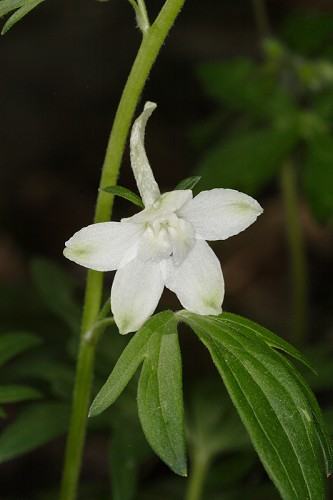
(152, 41)
(297, 253)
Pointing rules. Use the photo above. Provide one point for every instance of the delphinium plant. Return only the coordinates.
(165, 245)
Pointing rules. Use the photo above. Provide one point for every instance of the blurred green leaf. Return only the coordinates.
(246, 161)
(125, 193)
(307, 32)
(160, 397)
(35, 426)
(214, 426)
(318, 177)
(2, 413)
(231, 470)
(42, 367)
(322, 356)
(128, 448)
(57, 290)
(188, 183)
(15, 393)
(26, 7)
(243, 86)
(323, 105)
(12, 344)
(273, 402)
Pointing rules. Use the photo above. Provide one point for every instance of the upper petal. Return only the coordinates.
(143, 174)
(164, 205)
(136, 290)
(105, 246)
(197, 281)
(220, 213)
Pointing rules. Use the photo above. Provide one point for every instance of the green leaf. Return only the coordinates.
(160, 397)
(12, 344)
(35, 426)
(57, 289)
(43, 367)
(160, 400)
(2, 413)
(20, 13)
(323, 434)
(188, 183)
(246, 161)
(131, 358)
(8, 5)
(273, 403)
(243, 86)
(15, 393)
(307, 32)
(252, 330)
(318, 177)
(124, 193)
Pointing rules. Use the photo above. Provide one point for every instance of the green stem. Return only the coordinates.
(297, 253)
(197, 478)
(152, 42)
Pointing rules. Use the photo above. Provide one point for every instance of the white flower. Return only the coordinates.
(164, 244)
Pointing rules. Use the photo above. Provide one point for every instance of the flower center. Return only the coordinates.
(165, 236)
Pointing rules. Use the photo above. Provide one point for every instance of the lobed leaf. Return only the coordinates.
(252, 330)
(129, 361)
(125, 193)
(26, 7)
(8, 5)
(273, 403)
(35, 426)
(160, 398)
(12, 344)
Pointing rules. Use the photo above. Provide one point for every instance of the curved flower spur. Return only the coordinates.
(164, 244)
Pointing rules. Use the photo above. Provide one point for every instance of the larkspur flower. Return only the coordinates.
(164, 244)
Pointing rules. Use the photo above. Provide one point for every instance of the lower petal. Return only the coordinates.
(197, 281)
(136, 290)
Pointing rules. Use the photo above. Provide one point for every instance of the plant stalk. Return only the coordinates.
(297, 254)
(152, 42)
(197, 478)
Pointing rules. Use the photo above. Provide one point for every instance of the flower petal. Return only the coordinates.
(105, 246)
(135, 293)
(220, 213)
(143, 174)
(197, 281)
(164, 205)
